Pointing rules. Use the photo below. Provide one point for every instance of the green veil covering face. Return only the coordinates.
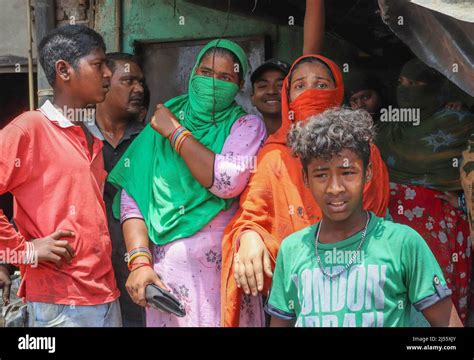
(425, 153)
(173, 203)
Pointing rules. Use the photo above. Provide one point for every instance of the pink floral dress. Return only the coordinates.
(191, 267)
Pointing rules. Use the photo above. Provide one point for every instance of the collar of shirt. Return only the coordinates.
(133, 128)
(56, 116)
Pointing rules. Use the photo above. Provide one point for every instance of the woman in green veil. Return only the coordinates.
(178, 183)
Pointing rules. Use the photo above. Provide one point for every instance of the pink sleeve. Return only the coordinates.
(128, 208)
(237, 160)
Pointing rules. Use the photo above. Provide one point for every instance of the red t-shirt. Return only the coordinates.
(57, 185)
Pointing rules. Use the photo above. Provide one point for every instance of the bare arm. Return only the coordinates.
(313, 27)
(276, 322)
(135, 234)
(443, 314)
(200, 161)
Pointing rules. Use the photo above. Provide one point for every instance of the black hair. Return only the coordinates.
(112, 58)
(69, 43)
(359, 80)
(263, 72)
(327, 134)
(312, 60)
(222, 52)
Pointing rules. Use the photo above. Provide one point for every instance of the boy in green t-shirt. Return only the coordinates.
(352, 268)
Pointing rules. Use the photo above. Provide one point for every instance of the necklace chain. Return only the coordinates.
(351, 260)
(110, 134)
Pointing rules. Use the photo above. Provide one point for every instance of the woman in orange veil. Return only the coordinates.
(276, 203)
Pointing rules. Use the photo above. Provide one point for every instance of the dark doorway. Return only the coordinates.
(13, 96)
(13, 101)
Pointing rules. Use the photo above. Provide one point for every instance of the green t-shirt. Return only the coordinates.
(394, 269)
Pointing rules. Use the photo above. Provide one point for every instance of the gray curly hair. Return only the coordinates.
(327, 134)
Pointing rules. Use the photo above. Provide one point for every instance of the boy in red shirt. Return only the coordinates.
(51, 161)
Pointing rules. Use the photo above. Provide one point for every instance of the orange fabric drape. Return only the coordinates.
(276, 202)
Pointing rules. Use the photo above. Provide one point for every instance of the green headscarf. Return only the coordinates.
(173, 203)
(427, 154)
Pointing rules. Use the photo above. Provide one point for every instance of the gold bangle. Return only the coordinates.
(138, 254)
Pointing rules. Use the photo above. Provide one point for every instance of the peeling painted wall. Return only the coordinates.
(159, 20)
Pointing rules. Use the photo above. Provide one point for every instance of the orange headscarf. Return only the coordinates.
(311, 102)
(276, 202)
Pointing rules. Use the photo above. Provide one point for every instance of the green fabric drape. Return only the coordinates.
(173, 203)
